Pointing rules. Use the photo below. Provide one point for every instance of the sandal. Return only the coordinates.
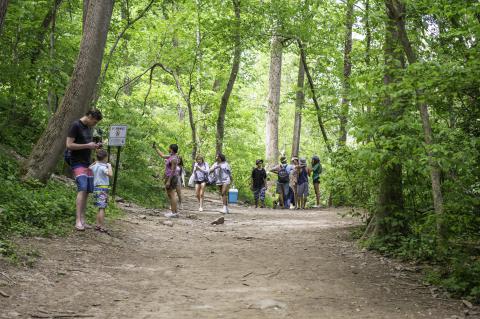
(80, 228)
(101, 229)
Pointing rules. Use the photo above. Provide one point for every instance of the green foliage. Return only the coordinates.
(33, 209)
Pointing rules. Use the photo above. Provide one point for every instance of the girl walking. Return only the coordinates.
(294, 181)
(171, 176)
(223, 178)
(200, 172)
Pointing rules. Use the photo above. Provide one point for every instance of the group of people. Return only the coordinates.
(219, 174)
(292, 184)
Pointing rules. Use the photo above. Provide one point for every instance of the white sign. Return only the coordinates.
(118, 135)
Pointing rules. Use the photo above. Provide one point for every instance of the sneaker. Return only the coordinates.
(171, 215)
(224, 210)
(200, 209)
(292, 206)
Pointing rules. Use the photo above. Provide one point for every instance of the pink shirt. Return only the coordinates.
(168, 165)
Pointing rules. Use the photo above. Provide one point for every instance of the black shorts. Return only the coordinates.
(200, 182)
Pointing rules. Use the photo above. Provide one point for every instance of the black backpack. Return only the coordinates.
(67, 156)
(283, 174)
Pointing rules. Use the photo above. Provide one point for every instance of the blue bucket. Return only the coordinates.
(233, 195)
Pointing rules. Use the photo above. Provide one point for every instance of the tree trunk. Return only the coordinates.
(368, 40)
(314, 96)
(78, 95)
(347, 70)
(86, 3)
(299, 103)
(231, 81)
(3, 13)
(273, 107)
(52, 98)
(396, 9)
(47, 21)
(390, 198)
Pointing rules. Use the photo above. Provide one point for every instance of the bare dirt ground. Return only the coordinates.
(258, 264)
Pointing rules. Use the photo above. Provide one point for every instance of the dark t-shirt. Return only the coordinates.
(258, 177)
(82, 135)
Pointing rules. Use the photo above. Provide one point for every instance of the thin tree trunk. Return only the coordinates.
(314, 96)
(78, 95)
(299, 103)
(129, 24)
(390, 198)
(52, 94)
(396, 10)
(3, 13)
(347, 70)
(368, 41)
(231, 81)
(47, 21)
(273, 107)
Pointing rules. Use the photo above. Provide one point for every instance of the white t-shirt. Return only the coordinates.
(222, 173)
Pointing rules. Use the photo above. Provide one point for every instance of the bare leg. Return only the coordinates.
(179, 194)
(81, 204)
(173, 200)
(101, 217)
(202, 194)
(224, 191)
(316, 186)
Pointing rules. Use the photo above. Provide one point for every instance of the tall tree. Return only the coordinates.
(3, 13)
(237, 51)
(273, 104)
(78, 95)
(390, 199)
(347, 71)
(396, 9)
(299, 102)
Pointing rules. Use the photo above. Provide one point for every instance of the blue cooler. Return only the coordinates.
(233, 195)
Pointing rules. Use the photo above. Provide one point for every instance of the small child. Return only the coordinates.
(102, 170)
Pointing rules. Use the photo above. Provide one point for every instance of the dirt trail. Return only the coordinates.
(259, 264)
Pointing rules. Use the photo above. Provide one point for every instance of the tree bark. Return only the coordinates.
(347, 71)
(78, 95)
(3, 13)
(299, 103)
(396, 9)
(237, 51)
(314, 96)
(273, 106)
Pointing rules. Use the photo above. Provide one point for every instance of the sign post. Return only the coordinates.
(117, 137)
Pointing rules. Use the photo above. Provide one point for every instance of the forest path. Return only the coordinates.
(260, 264)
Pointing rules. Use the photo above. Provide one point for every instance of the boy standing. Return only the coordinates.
(259, 182)
(102, 170)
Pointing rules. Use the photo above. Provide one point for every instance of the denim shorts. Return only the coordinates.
(83, 179)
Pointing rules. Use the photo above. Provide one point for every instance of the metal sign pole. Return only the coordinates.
(117, 162)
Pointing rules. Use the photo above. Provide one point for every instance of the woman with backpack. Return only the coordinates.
(317, 170)
(200, 173)
(223, 178)
(302, 183)
(283, 183)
